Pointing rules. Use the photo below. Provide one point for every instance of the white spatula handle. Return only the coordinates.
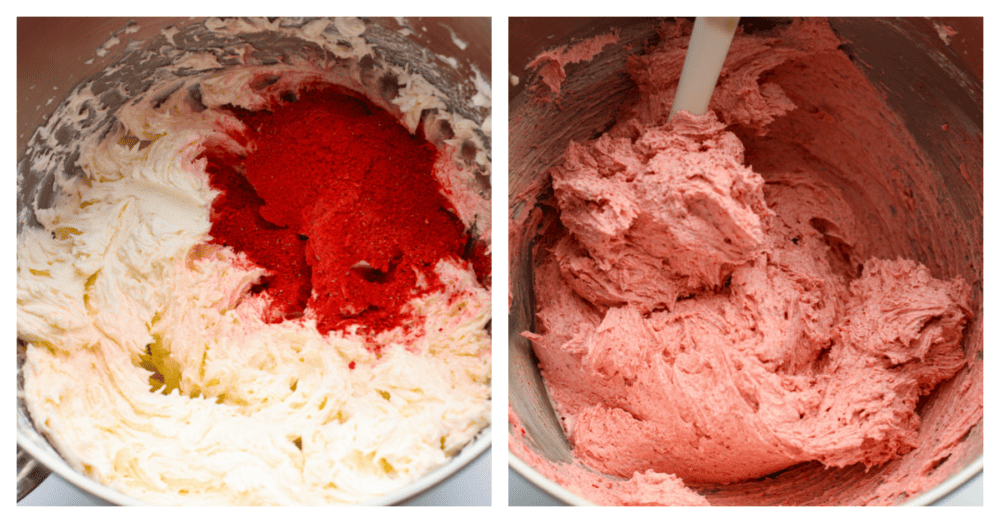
(703, 62)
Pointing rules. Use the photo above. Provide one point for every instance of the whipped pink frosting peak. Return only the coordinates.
(673, 204)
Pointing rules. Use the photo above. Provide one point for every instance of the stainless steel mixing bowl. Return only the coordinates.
(54, 55)
(927, 76)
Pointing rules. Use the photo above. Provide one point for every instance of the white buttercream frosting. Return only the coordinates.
(148, 365)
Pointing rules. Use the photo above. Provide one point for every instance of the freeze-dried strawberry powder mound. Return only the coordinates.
(339, 202)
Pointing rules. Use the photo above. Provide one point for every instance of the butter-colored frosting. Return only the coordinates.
(150, 366)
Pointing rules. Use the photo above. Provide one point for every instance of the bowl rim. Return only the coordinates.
(57, 465)
(564, 495)
(547, 485)
(949, 485)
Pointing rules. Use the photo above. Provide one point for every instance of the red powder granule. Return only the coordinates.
(351, 365)
(340, 203)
